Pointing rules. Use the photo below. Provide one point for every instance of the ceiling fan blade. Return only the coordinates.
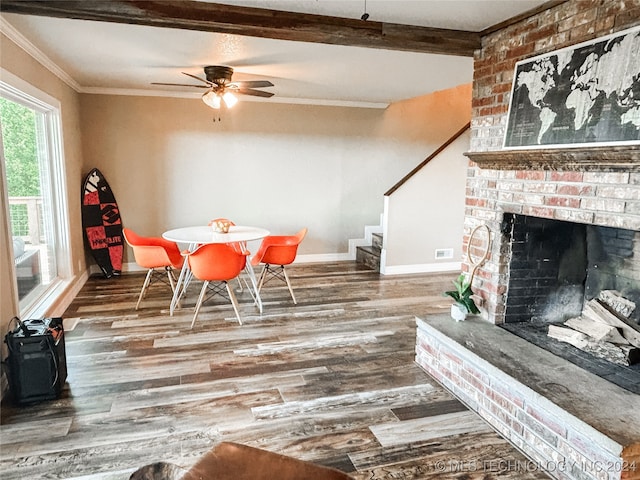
(253, 84)
(198, 78)
(251, 91)
(180, 85)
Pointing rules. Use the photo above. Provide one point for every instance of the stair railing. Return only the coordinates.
(427, 160)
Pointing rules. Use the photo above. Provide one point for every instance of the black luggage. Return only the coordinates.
(37, 361)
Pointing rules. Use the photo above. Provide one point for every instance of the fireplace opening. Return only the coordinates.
(557, 271)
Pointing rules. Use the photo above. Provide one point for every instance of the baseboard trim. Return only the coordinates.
(421, 268)
(306, 258)
(337, 257)
(323, 257)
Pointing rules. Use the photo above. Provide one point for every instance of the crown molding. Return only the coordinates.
(245, 98)
(21, 41)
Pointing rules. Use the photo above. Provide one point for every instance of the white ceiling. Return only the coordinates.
(100, 57)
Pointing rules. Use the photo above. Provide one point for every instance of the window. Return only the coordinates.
(33, 173)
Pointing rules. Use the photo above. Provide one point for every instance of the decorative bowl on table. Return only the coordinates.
(220, 226)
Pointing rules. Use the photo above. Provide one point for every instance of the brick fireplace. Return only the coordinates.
(570, 423)
(579, 194)
(609, 200)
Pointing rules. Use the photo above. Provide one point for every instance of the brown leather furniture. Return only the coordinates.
(232, 461)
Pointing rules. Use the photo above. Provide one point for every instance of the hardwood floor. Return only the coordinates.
(331, 380)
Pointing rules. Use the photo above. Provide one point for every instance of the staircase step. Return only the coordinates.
(376, 240)
(369, 256)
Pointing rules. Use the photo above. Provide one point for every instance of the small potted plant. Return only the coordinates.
(464, 304)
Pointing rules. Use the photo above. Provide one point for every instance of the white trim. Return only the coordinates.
(64, 300)
(384, 220)
(333, 257)
(140, 92)
(323, 257)
(21, 41)
(422, 268)
(126, 267)
(22, 92)
(327, 102)
(132, 267)
(57, 299)
(17, 88)
(94, 269)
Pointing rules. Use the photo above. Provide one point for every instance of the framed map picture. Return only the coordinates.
(582, 95)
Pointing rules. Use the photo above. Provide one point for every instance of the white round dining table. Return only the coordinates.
(202, 234)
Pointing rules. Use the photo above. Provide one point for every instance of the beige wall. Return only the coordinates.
(280, 166)
(17, 62)
(427, 213)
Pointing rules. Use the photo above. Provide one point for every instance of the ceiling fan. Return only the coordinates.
(220, 88)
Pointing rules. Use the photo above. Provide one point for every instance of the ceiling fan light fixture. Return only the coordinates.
(229, 99)
(212, 99)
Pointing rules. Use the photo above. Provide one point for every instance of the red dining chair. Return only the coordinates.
(154, 253)
(220, 263)
(275, 252)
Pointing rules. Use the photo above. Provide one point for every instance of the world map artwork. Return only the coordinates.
(586, 94)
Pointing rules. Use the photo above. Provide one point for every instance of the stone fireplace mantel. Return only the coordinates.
(605, 158)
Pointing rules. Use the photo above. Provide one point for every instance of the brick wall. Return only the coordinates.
(573, 22)
(593, 197)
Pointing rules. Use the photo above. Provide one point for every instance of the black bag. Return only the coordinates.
(37, 362)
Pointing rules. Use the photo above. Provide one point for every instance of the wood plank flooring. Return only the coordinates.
(330, 380)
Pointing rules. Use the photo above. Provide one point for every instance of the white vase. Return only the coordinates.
(458, 312)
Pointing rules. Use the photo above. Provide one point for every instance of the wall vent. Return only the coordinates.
(444, 253)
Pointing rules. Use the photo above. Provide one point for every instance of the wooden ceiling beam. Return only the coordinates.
(256, 22)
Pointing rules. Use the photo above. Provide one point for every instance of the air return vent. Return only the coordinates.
(444, 253)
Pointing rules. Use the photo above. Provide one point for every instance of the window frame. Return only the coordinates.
(17, 90)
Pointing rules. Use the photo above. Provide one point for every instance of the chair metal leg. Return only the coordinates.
(199, 302)
(286, 277)
(234, 302)
(175, 300)
(252, 291)
(265, 268)
(144, 286)
(173, 282)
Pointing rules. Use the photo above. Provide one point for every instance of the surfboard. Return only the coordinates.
(101, 223)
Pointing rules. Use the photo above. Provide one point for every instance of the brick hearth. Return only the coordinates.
(568, 421)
